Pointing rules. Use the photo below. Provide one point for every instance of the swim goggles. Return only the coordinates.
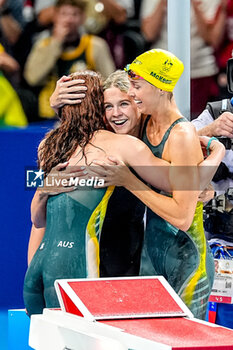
(131, 73)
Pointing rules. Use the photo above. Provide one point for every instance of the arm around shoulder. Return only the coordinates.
(184, 179)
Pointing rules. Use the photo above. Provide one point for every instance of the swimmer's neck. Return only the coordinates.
(164, 116)
(135, 131)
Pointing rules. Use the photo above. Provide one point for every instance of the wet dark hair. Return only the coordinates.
(78, 124)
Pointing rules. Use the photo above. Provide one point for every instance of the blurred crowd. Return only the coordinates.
(42, 40)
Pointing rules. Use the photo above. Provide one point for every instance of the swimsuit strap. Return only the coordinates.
(167, 133)
(158, 150)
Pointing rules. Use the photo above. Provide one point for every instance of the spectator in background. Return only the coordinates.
(11, 21)
(219, 34)
(112, 20)
(7, 63)
(45, 10)
(14, 39)
(203, 63)
(119, 14)
(220, 225)
(95, 20)
(11, 111)
(223, 33)
(113, 9)
(63, 50)
(207, 125)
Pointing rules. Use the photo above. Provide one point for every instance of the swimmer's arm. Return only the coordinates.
(137, 155)
(35, 239)
(38, 209)
(158, 170)
(185, 153)
(39, 200)
(209, 166)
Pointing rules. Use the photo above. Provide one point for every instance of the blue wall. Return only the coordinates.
(18, 150)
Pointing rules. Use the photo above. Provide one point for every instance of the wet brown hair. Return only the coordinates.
(78, 124)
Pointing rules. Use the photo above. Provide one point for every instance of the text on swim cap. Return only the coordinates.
(160, 78)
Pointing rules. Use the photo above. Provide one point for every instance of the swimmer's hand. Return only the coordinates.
(114, 172)
(67, 91)
(62, 178)
(214, 146)
(209, 166)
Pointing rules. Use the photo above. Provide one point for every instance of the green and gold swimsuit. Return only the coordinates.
(70, 247)
(183, 258)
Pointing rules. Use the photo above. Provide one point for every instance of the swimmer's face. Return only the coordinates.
(121, 112)
(145, 95)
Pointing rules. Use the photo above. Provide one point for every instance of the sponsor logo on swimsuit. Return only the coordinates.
(34, 178)
(65, 244)
(160, 78)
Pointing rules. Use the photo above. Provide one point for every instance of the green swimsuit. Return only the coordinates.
(70, 247)
(183, 258)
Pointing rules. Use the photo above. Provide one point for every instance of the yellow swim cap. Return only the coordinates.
(159, 67)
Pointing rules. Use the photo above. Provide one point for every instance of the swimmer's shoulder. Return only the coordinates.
(184, 140)
(109, 135)
(183, 130)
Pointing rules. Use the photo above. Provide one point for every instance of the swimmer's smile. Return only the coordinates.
(119, 122)
(121, 111)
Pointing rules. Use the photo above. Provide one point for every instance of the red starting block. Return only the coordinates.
(135, 313)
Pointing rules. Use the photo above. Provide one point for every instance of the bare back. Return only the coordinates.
(103, 144)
